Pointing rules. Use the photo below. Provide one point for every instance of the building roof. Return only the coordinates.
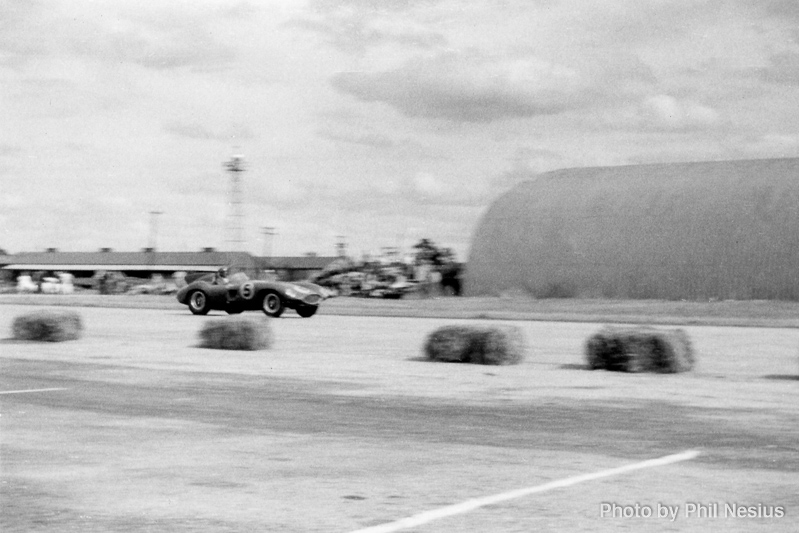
(205, 261)
(199, 261)
(722, 229)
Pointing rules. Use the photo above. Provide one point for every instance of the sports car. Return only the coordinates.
(272, 297)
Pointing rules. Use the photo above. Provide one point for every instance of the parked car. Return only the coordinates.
(215, 291)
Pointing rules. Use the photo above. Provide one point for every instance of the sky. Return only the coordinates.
(373, 122)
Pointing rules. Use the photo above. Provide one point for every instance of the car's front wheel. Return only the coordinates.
(307, 311)
(198, 303)
(272, 304)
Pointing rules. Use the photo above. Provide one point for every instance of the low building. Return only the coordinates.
(146, 263)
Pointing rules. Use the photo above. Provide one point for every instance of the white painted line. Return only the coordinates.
(470, 505)
(29, 390)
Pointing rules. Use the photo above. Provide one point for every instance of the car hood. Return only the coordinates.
(300, 286)
(310, 286)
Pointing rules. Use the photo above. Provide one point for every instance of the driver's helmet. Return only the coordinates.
(222, 272)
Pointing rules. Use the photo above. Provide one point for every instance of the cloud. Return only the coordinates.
(747, 146)
(631, 23)
(199, 132)
(155, 47)
(370, 5)
(44, 223)
(9, 150)
(663, 113)
(241, 10)
(783, 69)
(536, 160)
(528, 162)
(469, 87)
(780, 9)
(139, 36)
(667, 113)
(358, 26)
(51, 96)
(770, 145)
(359, 35)
(372, 196)
(427, 185)
(430, 189)
(375, 140)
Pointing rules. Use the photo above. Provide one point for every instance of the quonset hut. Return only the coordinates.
(726, 230)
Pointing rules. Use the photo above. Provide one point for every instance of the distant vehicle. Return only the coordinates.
(365, 285)
(214, 291)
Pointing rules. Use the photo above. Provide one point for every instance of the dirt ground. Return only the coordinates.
(341, 425)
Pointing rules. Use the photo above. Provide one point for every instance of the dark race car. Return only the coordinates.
(271, 297)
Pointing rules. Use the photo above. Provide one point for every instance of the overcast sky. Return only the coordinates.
(383, 121)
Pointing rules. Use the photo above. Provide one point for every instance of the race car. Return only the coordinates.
(214, 291)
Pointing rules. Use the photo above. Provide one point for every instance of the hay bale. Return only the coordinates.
(640, 349)
(498, 345)
(236, 333)
(450, 343)
(503, 346)
(48, 325)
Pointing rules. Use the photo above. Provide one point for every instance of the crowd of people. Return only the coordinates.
(45, 282)
(104, 282)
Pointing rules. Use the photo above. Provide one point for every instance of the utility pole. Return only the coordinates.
(154, 229)
(341, 246)
(235, 222)
(269, 233)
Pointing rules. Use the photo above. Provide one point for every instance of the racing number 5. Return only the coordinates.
(247, 290)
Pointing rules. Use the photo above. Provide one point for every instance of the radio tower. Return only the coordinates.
(235, 223)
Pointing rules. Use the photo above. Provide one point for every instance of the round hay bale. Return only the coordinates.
(449, 343)
(236, 333)
(503, 345)
(640, 349)
(48, 325)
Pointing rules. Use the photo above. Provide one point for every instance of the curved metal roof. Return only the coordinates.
(724, 229)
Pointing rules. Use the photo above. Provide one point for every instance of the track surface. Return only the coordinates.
(340, 426)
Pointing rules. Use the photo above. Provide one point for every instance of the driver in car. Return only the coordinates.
(220, 278)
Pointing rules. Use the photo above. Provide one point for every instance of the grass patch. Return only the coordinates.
(496, 345)
(236, 333)
(48, 325)
(640, 349)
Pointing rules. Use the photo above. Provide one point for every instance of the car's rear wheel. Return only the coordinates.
(307, 311)
(198, 303)
(272, 304)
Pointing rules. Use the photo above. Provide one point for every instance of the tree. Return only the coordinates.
(443, 261)
(428, 251)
